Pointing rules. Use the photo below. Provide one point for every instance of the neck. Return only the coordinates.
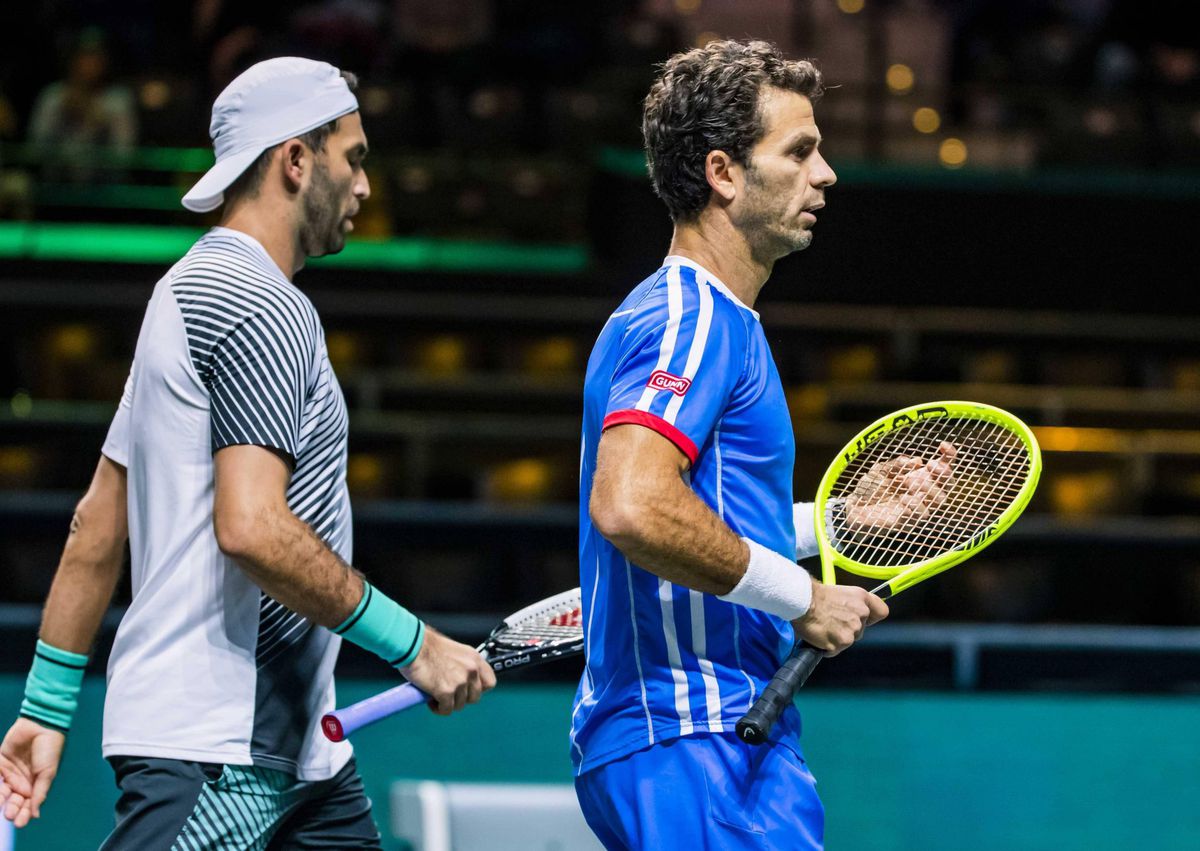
(712, 241)
(272, 229)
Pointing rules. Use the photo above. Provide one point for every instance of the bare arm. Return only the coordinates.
(280, 553)
(642, 505)
(79, 595)
(91, 563)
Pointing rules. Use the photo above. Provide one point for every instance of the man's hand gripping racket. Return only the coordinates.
(550, 629)
(912, 495)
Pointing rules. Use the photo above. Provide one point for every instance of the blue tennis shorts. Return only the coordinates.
(704, 793)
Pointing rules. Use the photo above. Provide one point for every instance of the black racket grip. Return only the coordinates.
(755, 725)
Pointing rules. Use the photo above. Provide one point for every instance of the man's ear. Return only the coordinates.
(723, 175)
(295, 163)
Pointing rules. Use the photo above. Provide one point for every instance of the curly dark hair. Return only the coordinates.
(249, 181)
(707, 99)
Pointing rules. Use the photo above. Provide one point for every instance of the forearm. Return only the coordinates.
(642, 503)
(91, 563)
(286, 559)
(81, 593)
(255, 526)
(678, 537)
(684, 542)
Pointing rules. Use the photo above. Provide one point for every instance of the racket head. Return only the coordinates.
(994, 470)
(547, 629)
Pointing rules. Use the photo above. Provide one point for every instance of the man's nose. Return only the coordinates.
(822, 175)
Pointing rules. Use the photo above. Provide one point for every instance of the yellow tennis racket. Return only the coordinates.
(912, 495)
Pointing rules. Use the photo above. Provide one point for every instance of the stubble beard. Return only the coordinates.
(765, 222)
(321, 231)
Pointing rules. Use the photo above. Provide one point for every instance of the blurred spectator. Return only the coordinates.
(1159, 49)
(439, 52)
(1156, 58)
(346, 33)
(15, 184)
(233, 36)
(443, 28)
(1025, 47)
(8, 120)
(76, 117)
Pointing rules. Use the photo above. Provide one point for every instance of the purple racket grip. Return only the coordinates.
(340, 723)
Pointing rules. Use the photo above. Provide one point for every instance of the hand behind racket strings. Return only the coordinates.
(890, 495)
(912, 495)
(897, 493)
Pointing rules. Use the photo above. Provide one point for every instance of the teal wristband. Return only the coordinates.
(52, 688)
(384, 627)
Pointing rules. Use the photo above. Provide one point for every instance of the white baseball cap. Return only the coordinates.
(266, 104)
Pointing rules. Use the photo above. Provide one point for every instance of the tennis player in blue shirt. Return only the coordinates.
(688, 532)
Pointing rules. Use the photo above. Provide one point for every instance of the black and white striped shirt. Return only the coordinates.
(205, 666)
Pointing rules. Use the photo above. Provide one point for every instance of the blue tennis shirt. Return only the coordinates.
(684, 357)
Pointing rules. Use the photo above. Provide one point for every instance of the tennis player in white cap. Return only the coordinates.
(225, 469)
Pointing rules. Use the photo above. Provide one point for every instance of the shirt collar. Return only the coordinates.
(713, 280)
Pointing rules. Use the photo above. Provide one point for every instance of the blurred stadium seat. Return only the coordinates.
(435, 816)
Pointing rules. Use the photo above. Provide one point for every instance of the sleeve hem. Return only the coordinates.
(121, 459)
(286, 455)
(657, 424)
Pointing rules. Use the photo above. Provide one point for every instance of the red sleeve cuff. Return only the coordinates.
(658, 424)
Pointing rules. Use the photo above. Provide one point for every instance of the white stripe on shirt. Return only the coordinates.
(696, 353)
(637, 653)
(588, 685)
(682, 704)
(712, 692)
(737, 626)
(666, 349)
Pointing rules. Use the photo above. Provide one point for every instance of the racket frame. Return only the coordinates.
(899, 577)
(504, 657)
(341, 723)
(755, 726)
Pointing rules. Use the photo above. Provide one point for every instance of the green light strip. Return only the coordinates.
(193, 160)
(109, 196)
(149, 244)
(458, 256)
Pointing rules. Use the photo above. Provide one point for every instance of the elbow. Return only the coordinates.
(236, 534)
(620, 520)
(102, 527)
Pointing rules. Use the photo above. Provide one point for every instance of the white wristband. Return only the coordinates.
(772, 583)
(806, 531)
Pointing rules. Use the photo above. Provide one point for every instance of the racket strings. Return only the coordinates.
(533, 634)
(970, 502)
(954, 522)
(926, 532)
(987, 469)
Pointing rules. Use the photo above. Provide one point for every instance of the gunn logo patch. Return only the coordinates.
(663, 380)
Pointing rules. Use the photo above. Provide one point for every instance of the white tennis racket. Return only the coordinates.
(549, 629)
